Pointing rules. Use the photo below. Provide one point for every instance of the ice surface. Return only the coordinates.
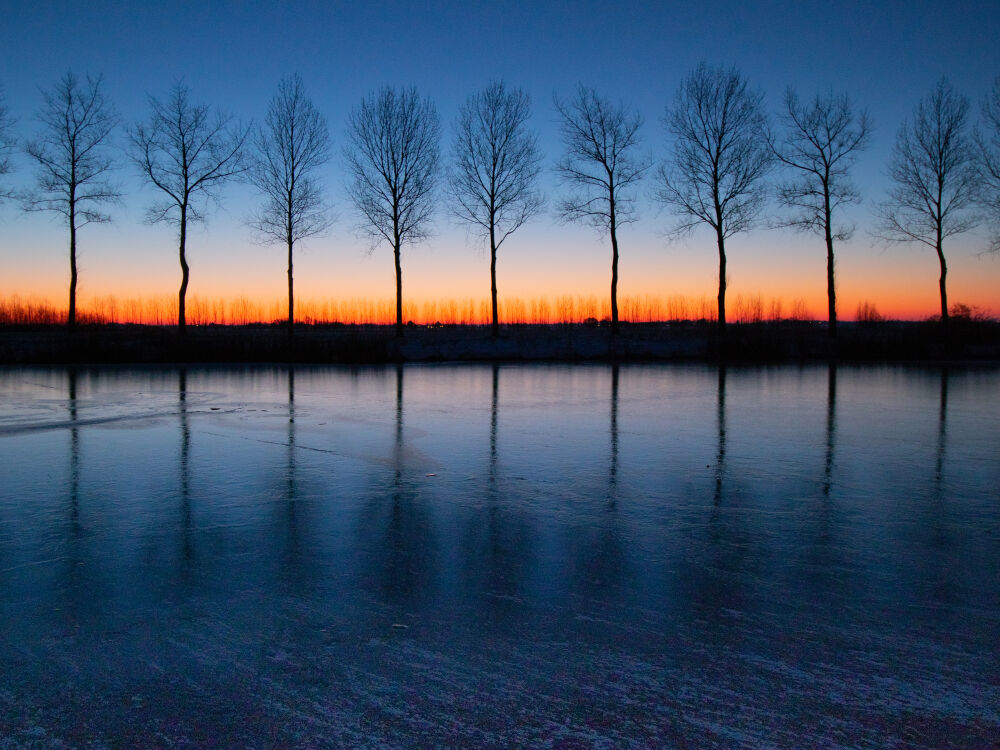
(531, 555)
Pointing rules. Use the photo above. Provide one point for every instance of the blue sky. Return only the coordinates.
(885, 55)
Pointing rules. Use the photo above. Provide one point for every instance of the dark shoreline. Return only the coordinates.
(967, 341)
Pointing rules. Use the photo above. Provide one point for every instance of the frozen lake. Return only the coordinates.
(543, 555)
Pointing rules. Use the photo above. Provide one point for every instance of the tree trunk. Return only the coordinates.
(291, 298)
(71, 317)
(939, 246)
(722, 280)
(941, 284)
(831, 291)
(290, 237)
(399, 289)
(493, 280)
(181, 319)
(614, 271)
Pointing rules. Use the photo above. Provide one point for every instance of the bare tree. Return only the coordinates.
(187, 151)
(988, 141)
(73, 161)
(820, 144)
(291, 146)
(934, 177)
(7, 145)
(601, 167)
(495, 166)
(392, 154)
(720, 155)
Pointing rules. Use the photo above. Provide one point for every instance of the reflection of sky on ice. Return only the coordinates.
(520, 554)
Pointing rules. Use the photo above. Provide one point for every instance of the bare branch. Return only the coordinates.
(495, 163)
(392, 154)
(600, 163)
(71, 152)
(933, 172)
(7, 145)
(188, 152)
(289, 148)
(820, 143)
(720, 153)
(988, 145)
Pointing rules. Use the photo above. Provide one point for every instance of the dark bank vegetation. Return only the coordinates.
(968, 339)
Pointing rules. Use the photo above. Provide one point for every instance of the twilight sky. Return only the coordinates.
(885, 55)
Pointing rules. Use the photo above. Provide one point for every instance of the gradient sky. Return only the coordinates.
(885, 55)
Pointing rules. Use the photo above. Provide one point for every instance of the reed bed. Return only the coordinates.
(200, 311)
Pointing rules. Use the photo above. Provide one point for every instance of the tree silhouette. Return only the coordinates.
(600, 165)
(820, 144)
(934, 177)
(188, 152)
(7, 145)
(392, 155)
(292, 145)
(72, 156)
(988, 141)
(720, 154)
(495, 165)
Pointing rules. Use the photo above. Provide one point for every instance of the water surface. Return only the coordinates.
(578, 555)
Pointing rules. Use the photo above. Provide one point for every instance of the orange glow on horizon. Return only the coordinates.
(242, 310)
(449, 283)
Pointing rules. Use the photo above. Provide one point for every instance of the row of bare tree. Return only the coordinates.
(945, 175)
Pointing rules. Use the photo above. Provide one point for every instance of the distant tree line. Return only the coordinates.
(726, 160)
